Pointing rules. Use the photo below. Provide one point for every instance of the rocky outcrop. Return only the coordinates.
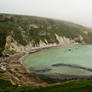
(63, 41)
(13, 45)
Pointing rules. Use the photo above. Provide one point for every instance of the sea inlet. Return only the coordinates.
(74, 62)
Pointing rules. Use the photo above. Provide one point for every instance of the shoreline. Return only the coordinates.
(40, 49)
(70, 77)
(17, 73)
(36, 50)
(20, 69)
(25, 54)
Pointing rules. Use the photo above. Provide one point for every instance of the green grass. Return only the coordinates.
(5, 83)
(70, 86)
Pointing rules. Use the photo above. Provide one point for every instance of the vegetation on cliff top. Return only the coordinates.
(25, 29)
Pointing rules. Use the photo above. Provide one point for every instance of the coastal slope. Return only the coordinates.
(28, 32)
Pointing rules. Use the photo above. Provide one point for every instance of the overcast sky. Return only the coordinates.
(77, 11)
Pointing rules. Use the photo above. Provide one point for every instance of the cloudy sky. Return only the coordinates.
(77, 11)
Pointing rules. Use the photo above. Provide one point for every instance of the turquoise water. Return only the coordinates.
(42, 62)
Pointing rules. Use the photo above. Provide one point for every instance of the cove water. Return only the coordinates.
(43, 62)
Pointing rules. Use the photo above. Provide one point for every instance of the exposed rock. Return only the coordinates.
(3, 67)
(33, 26)
(85, 32)
(63, 41)
(13, 45)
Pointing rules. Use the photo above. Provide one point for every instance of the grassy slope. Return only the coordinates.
(19, 28)
(70, 86)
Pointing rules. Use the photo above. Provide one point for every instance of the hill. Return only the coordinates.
(26, 32)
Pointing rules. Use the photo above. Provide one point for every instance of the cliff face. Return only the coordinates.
(13, 45)
(27, 32)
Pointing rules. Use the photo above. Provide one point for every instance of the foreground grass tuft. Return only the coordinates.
(70, 86)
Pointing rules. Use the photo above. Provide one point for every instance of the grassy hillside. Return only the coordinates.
(70, 86)
(25, 29)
